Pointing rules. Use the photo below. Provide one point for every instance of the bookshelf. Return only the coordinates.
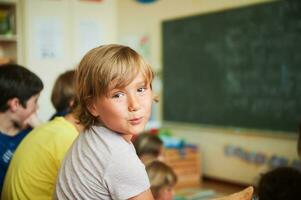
(9, 31)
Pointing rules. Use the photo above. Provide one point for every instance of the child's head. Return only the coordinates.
(19, 89)
(63, 92)
(280, 183)
(149, 147)
(113, 88)
(162, 179)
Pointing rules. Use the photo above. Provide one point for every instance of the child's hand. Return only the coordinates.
(32, 121)
(245, 194)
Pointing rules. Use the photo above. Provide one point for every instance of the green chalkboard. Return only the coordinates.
(238, 68)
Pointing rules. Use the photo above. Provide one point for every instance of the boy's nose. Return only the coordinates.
(133, 103)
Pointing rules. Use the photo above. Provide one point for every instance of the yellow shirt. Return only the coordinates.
(33, 169)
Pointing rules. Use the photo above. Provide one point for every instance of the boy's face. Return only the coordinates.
(166, 193)
(125, 110)
(22, 113)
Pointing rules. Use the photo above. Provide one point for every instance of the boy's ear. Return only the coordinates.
(92, 109)
(156, 98)
(13, 104)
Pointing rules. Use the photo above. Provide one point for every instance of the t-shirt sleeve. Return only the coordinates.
(126, 177)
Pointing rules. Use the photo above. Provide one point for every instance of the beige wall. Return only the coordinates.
(69, 14)
(213, 140)
(139, 19)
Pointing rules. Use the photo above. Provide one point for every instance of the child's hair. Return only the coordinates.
(17, 82)
(148, 144)
(160, 176)
(63, 92)
(279, 184)
(104, 68)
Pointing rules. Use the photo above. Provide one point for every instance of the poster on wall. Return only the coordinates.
(90, 36)
(140, 43)
(48, 42)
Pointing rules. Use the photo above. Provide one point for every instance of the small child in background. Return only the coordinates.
(20, 89)
(162, 179)
(114, 91)
(34, 167)
(149, 147)
(63, 94)
(279, 184)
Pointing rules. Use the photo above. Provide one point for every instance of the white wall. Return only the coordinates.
(138, 19)
(69, 17)
(212, 141)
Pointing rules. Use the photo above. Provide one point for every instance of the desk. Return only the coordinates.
(210, 189)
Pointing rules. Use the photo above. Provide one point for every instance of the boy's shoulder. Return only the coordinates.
(19, 136)
(58, 128)
(106, 138)
(8, 144)
(55, 125)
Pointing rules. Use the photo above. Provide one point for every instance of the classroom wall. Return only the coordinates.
(127, 20)
(213, 141)
(137, 20)
(70, 28)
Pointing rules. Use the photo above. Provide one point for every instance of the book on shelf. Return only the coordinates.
(5, 60)
(7, 22)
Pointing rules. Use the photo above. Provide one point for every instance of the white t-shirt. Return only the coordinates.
(101, 165)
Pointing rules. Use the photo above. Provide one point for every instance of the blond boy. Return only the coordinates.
(163, 180)
(114, 93)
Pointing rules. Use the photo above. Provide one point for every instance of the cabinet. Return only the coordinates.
(186, 164)
(10, 33)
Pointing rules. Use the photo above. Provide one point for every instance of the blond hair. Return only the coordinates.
(160, 176)
(104, 68)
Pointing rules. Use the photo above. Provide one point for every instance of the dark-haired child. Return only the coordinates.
(20, 89)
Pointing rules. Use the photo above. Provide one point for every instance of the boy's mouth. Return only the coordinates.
(136, 121)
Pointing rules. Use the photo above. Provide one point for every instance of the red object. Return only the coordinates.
(154, 131)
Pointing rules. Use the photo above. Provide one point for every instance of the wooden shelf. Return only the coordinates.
(4, 60)
(186, 164)
(8, 38)
(8, 2)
